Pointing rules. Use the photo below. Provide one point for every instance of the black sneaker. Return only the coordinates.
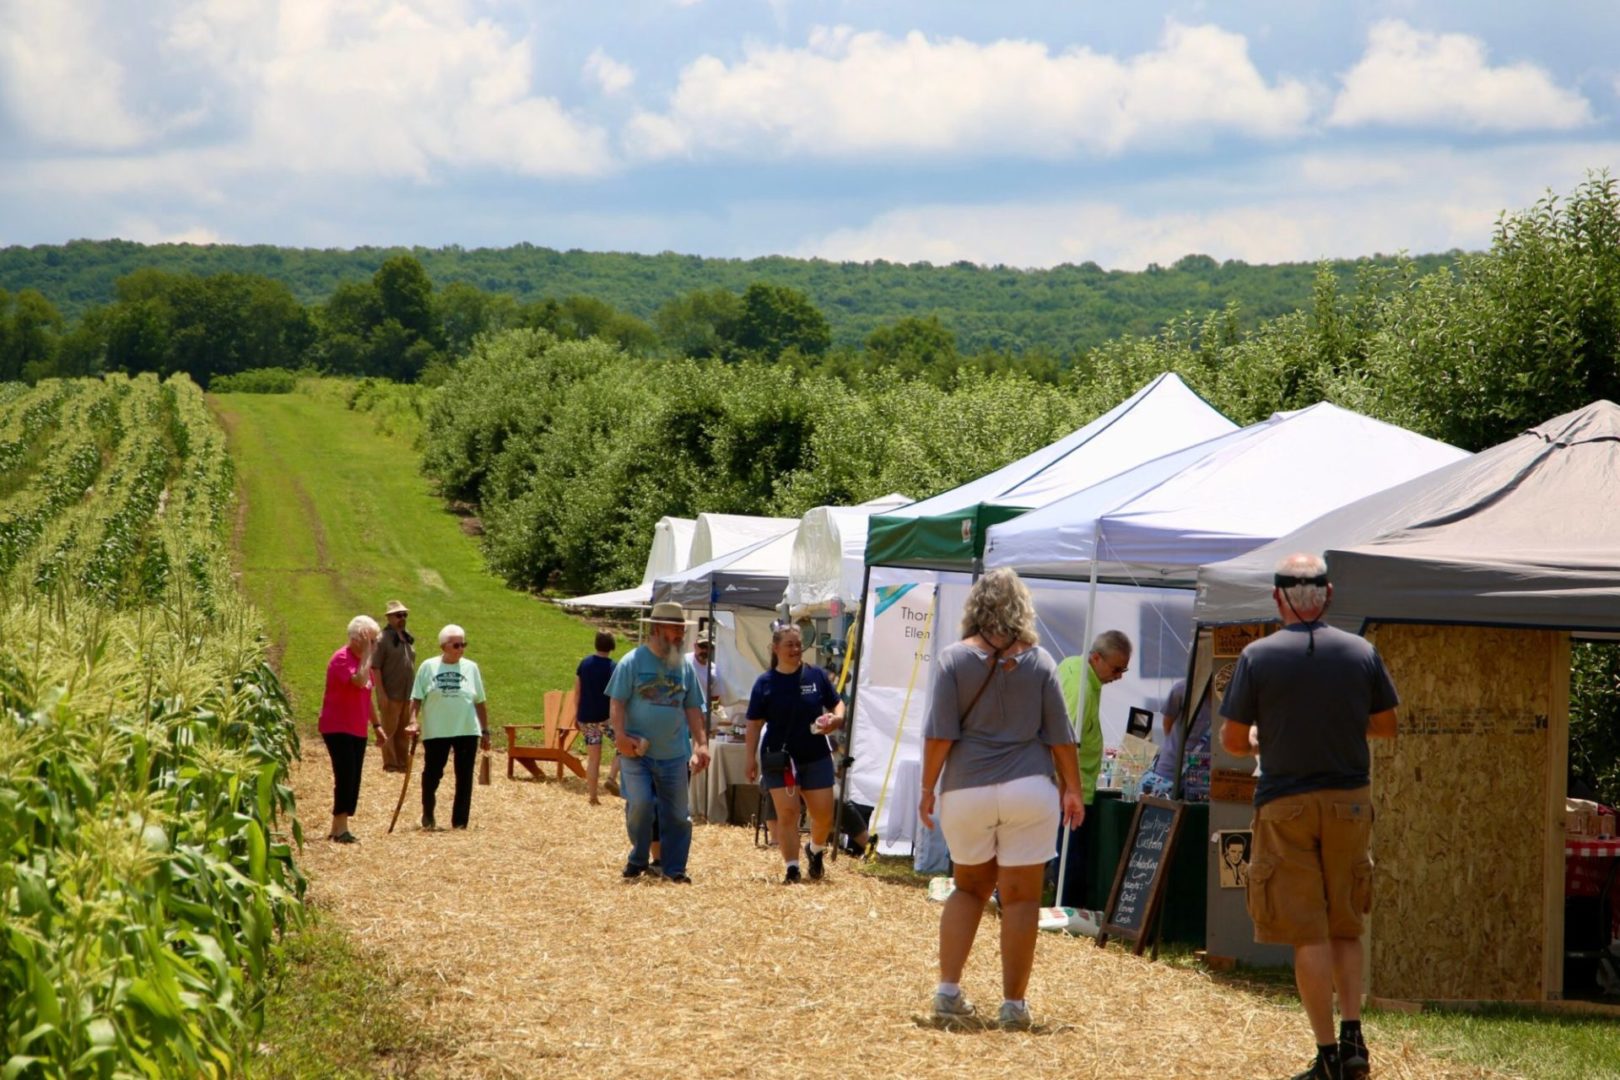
(792, 877)
(1323, 1069)
(679, 879)
(631, 870)
(816, 867)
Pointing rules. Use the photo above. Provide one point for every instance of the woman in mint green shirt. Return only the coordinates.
(447, 708)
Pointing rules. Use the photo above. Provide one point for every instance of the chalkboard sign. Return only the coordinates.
(1144, 866)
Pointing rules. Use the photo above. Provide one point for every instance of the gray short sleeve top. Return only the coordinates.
(1013, 726)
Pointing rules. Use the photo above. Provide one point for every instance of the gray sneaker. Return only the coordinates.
(951, 1006)
(1014, 1016)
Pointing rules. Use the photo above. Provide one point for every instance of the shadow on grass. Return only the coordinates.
(890, 869)
(336, 1012)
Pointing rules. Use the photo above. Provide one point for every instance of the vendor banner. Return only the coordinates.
(902, 634)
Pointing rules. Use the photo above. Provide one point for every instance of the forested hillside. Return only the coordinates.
(1064, 310)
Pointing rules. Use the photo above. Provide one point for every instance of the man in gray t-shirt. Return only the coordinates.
(1314, 695)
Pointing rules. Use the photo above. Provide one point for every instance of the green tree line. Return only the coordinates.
(1063, 310)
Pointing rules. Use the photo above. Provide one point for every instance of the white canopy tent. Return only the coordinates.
(671, 552)
(719, 534)
(738, 593)
(1158, 523)
(829, 557)
(938, 538)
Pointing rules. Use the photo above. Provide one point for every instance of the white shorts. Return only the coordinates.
(1015, 823)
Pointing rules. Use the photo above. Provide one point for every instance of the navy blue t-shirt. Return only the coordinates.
(594, 672)
(789, 704)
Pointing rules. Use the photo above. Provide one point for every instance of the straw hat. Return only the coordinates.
(394, 607)
(667, 613)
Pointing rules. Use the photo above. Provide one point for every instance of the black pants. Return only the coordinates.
(435, 753)
(348, 753)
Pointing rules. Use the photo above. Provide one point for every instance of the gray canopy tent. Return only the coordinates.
(1470, 580)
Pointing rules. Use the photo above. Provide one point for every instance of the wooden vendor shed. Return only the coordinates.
(1471, 581)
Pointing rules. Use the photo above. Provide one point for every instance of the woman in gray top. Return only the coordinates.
(998, 730)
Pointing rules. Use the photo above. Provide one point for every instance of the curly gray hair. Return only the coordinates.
(999, 603)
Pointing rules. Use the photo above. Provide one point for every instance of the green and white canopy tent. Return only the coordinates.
(921, 559)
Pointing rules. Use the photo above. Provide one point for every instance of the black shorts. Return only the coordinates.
(807, 775)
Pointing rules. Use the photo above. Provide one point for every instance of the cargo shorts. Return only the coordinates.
(1310, 874)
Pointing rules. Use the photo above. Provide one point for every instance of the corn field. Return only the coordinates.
(145, 811)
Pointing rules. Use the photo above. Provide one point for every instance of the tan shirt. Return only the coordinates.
(395, 659)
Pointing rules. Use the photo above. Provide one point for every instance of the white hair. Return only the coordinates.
(1304, 597)
(363, 626)
(449, 632)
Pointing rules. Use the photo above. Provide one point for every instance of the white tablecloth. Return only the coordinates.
(897, 831)
(709, 791)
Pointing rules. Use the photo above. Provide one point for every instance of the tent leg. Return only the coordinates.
(849, 714)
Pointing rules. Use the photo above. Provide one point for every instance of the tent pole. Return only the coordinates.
(849, 714)
(708, 674)
(1091, 615)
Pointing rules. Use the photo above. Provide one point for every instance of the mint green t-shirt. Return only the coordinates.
(448, 693)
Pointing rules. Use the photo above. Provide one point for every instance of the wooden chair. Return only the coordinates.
(549, 749)
(567, 731)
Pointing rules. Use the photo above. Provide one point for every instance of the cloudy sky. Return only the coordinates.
(1025, 132)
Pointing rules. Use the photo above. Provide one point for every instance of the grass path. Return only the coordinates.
(336, 520)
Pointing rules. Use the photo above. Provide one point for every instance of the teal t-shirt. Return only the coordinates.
(656, 699)
(448, 693)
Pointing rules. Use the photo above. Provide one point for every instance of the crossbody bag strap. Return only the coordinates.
(995, 662)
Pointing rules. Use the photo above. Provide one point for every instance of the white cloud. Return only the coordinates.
(1434, 201)
(1409, 78)
(863, 94)
(146, 231)
(612, 76)
(385, 87)
(60, 79)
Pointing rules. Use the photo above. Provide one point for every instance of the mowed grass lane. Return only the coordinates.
(337, 519)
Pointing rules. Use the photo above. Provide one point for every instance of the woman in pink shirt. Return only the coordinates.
(347, 712)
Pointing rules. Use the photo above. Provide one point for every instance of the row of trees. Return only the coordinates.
(1063, 310)
(396, 325)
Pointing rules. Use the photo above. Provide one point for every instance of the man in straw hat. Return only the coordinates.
(655, 707)
(1313, 695)
(393, 671)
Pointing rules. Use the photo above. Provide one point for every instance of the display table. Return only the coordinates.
(710, 790)
(1590, 867)
(1184, 895)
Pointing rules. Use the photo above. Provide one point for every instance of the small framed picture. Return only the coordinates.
(1139, 723)
(1232, 857)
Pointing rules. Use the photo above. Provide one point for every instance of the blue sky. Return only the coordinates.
(1009, 132)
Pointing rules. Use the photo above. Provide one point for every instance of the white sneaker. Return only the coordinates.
(1014, 1016)
(951, 1006)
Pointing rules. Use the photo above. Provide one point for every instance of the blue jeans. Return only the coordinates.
(655, 790)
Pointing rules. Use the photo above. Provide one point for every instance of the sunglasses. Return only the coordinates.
(456, 644)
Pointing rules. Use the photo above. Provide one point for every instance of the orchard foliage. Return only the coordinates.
(144, 743)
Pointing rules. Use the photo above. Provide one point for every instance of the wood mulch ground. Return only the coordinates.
(525, 952)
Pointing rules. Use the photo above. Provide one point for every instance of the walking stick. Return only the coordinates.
(410, 759)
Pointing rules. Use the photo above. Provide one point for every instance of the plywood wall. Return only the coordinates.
(1468, 799)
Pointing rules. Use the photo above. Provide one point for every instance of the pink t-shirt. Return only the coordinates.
(346, 708)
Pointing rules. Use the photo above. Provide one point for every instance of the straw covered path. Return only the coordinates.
(517, 942)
